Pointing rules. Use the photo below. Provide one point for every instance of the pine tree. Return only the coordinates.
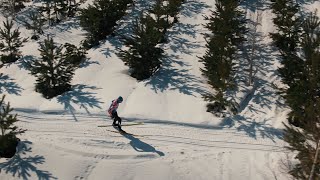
(101, 18)
(227, 25)
(161, 20)
(74, 55)
(172, 8)
(35, 22)
(54, 72)
(11, 7)
(286, 39)
(10, 42)
(306, 140)
(143, 56)
(8, 139)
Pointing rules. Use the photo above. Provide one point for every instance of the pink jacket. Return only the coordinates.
(113, 107)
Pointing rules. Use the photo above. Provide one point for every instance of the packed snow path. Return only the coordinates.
(158, 150)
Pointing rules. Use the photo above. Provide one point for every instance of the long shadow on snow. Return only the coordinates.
(8, 85)
(79, 96)
(169, 77)
(265, 4)
(249, 126)
(192, 8)
(141, 146)
(262, 93)
(172, 78)
(22, 166)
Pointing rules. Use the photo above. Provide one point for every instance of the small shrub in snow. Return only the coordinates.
(55, 69)
(143, 56)
(100, 19)
(10, 42)
(8, 139)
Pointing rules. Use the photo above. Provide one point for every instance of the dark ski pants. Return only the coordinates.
(116, 118)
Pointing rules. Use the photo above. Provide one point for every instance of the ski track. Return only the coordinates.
(83, 138)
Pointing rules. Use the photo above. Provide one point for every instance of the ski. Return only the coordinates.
(132, 124)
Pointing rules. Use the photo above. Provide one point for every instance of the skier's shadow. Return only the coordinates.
(141, 146)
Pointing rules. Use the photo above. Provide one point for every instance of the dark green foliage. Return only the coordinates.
(172, 8)
(143, 57)
(303, 97)
(10, 42)
(8, 140)
(286, 39)
(101, 18)
(74, 55)
(35, 22)
(55, 69)
(227, 25)
(54, 11)
(11, 7)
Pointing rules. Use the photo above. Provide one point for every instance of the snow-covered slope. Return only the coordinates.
(178, 140)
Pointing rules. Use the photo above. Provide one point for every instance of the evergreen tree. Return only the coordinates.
(8, 139)
(35, 22)
(306, 140)
(54, 72)
(227, 25)
(101, 18)
(161, 21)
(172, 8)
(10, 42)
(143, 56)
(11, 7)
(74, 55)
(286, 38)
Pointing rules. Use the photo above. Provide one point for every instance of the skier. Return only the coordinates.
(113, 111)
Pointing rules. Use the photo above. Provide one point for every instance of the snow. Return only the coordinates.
(178, 140)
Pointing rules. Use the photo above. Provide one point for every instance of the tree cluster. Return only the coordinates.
(100, 19)
(11, 7)
(298, 41)
(55, 69)
(144, 54)
(227, 27)
(54, 11)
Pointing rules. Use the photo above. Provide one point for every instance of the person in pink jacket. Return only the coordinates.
(113, 111)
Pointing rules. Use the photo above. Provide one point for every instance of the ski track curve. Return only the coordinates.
(83, 138)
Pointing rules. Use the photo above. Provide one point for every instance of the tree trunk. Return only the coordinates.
(314, 161)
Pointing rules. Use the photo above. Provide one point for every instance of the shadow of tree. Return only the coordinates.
(22, 166)
(80, 97)
(255, 4)
(25, 62)
(8, 85)
(172, 78)
(141, 146)
(178, 38)
(252, 128)
(191, 8)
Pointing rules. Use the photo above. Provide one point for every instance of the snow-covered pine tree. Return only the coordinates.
(35, 22)
(74, 55)
(172, 8)
(227, 27)
(286, 39)
(306, 140)
(10, 42)
(100, 19)
(8, 139)
(143, 56)
(54, 72)
(11, 7)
